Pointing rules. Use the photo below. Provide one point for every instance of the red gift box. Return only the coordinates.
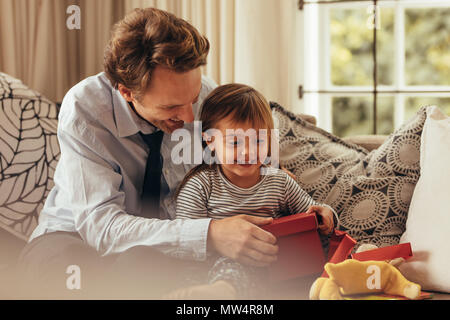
(300, 250)
(402, 250)
(341, 244)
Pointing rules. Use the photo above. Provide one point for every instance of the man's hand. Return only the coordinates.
(241, 239)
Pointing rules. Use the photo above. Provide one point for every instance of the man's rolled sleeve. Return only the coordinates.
(193, 239)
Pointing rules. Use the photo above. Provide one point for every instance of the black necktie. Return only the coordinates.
(151, 189)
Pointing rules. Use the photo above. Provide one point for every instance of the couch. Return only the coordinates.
(12, 242)
(37, 111)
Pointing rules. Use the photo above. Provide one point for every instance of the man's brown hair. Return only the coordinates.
(146, 38)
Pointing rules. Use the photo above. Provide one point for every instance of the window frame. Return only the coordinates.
(317, 90)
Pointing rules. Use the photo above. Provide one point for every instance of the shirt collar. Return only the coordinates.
(128, 122)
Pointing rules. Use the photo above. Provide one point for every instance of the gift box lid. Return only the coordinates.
(402, 250)
(295, 223)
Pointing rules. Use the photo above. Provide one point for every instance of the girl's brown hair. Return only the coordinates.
(242, 103)
(146, 38)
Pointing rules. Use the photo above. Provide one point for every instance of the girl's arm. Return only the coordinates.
(297, 201)
(193, 198)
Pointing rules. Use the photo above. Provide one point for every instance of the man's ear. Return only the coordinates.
(125, 93)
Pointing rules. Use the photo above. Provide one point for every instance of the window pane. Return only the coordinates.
(386, 47)
(413, 104)
(427, 42)
(351, 46)
(385, 115)
(354, 115)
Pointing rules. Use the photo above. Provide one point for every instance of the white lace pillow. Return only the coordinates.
(370, 192)
(429, 214)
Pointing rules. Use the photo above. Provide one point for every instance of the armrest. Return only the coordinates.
(369, 142)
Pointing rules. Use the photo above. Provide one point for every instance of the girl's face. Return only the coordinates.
(241, 150)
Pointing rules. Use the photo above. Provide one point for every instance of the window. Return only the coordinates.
(370, 65)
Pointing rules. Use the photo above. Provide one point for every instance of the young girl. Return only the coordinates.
(236, 180)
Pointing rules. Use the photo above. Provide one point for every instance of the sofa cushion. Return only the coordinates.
(370, 191)
(429, 218)
(29, 152)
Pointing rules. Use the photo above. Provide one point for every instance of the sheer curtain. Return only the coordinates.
(252, 41)
(37, 47)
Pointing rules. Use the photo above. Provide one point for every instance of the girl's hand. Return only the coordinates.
(327, 225)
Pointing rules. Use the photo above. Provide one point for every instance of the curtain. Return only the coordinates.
(214, 19)
(34, 46)
(252, 41)
(37, 47)
(265, 44)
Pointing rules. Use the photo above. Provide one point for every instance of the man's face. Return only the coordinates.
(167, 103)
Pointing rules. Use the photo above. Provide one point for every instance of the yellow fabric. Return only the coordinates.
(325, 289)
(362, 277)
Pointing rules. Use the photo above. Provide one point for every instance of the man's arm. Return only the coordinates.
(89, 187)
(241, 239)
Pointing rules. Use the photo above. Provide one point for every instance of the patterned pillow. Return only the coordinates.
(29, 151)
(370, 192)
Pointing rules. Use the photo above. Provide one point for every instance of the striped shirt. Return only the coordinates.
(210, 194)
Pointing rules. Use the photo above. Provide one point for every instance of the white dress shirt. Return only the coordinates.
(99, 177)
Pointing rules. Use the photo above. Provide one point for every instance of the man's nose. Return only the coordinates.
(186, 114)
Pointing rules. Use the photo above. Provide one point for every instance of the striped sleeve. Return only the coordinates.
(193, 198)
(296, 199)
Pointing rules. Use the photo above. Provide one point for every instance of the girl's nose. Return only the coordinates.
(249, 152)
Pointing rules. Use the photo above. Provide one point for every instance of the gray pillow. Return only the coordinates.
(29, 151)
(370, 192)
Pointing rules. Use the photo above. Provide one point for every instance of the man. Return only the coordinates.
(109, 213)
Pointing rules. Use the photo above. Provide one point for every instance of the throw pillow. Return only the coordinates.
(429, 213)
(370, 192)
(29, 151)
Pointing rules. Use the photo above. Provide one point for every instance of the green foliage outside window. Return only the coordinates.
(427, 62)
(427, 46)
